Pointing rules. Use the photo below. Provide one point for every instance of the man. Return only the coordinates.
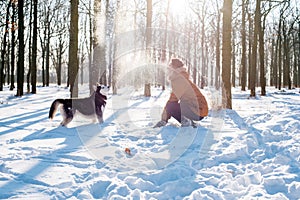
(186, 103)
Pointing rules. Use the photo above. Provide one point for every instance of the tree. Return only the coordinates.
(226, 53)
(243, 60)
(13, 30)
(20, 65)
(57, 58)
(50, 8)
(94, 71)
(100, 27)
(286, 58)
(43, 40)
(298, 60)
(273, 63)
(3, 54)
(29, 49)
(279, 50)
(218, 67)
(164, 47)
(60, 50)
(60, 41)
(34, 48)
(103, 66)
(203, 37)
(200, 45)
(147, 89)
(261, 34)
(73, 49)
(43, 48)
(114, 55)
(288, 30)
(90, 47)
(233, 65)
(47, 45)
(254, 49)
(195, 69)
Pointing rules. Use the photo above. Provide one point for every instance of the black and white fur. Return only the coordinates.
(91, 107)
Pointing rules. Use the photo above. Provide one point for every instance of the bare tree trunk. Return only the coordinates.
(20, 66)
(94, 78)
(254, 50)
(48, 53)
(233, 59)
(109, 20)
(8, 64)
(12, 79)
(298, 74)
(60, 51)
(103, 72)
(203, 67)
(29, 50)
(73, 49)
(276, 63)
(295, 61)
(272, 68)
(114, 55)
(147, 89)
(164, 48)
(226, 53)
(250, 31)
(286, 62)
(90, 50)
(81, 64)
(243, 61)
(42, 42)
(81, 71)
(188, 47)
(34, 48)
(59, 60)
(218, 57)
(195, 71)
(3, 53)
(279, 55)
(261, 30)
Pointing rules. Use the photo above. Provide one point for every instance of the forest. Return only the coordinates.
(244, 55)
(224, 43)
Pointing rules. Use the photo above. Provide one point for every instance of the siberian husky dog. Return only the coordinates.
(91, 107)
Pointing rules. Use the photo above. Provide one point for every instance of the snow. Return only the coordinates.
(249, 152)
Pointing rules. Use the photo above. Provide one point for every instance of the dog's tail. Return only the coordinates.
(54, 107)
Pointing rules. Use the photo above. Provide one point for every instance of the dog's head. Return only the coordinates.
(102, 89)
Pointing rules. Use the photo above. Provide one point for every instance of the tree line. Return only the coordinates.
(224, 43)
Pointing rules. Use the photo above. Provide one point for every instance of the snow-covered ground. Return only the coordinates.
(250, 152)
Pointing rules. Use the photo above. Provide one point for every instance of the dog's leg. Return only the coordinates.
(100, 120)
(67, 114)
(99, 113)
(100, 117)
(66, 121)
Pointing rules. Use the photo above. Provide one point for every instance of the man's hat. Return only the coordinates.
(176, 63)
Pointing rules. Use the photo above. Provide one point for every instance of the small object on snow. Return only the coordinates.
(127, 150)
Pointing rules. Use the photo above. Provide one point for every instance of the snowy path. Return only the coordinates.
(252, 151)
